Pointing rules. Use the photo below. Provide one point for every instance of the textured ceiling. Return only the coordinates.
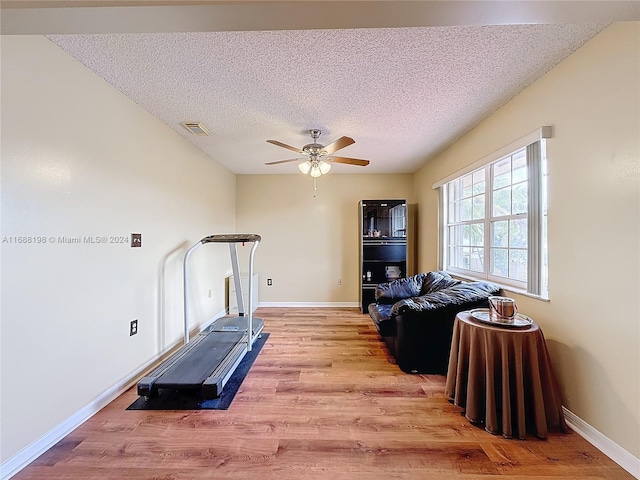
(403, 94)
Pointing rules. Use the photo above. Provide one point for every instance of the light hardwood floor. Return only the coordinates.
(323, 400)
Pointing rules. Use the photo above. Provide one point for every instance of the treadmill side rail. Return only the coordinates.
(213, 385)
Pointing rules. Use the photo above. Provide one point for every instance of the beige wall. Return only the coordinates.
(80, 159)
(310, 242)
(592, 322)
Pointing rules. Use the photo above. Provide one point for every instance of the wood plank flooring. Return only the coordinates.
(324, 399)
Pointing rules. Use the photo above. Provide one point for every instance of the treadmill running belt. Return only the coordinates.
(197, 365)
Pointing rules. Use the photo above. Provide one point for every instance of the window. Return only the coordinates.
(495, 225)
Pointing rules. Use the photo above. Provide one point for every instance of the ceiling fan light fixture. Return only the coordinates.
(315, 171)
(304, 167)
(324, 167)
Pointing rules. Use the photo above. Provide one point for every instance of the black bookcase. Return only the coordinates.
(386, 244)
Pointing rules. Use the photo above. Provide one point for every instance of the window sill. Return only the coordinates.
(524, 293)
(506, 288)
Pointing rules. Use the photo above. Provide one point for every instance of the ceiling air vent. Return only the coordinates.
(196, 128)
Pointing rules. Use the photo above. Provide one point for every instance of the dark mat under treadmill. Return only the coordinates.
(192, 400)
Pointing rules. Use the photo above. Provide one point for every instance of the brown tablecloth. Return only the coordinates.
(503, 379)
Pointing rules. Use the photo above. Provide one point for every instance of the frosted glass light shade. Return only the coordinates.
(304, 167)
(324, 167)
(315, 172)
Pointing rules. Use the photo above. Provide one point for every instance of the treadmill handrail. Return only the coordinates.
(185, 286)
(250, 315)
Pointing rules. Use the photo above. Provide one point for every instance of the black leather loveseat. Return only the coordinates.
(415, 316)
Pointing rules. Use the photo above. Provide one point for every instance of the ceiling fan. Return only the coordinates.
(318, 156)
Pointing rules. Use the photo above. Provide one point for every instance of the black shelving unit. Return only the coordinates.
(385, 245)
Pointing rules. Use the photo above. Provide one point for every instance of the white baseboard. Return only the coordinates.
(607, 446)
(309, 304)
(32, 451)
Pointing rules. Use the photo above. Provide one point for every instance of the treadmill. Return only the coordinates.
(205, 363)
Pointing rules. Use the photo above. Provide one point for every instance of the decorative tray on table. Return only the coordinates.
(482, 315)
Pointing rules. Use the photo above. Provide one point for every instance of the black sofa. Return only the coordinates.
(415, 316)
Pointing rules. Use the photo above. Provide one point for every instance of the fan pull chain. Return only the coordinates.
(315, 187)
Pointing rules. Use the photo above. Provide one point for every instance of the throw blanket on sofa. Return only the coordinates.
(414, 286)
(429, 291)
(459, 294)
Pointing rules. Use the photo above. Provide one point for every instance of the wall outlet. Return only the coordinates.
(210, 293)
(133, 327)
(339, 282)
(269, 282)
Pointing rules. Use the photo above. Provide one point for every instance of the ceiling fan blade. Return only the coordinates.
(284, 145)
(286, 161)
(350, 161)
(338, 144)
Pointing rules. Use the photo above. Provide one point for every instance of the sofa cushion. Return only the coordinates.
(459, 294)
